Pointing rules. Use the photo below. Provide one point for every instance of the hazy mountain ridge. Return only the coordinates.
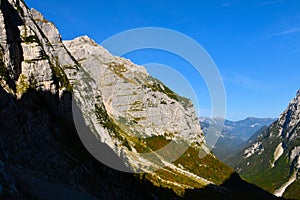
(234, 133)
(41, 154)
(272, 159)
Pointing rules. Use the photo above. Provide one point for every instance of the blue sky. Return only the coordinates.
(255, 44)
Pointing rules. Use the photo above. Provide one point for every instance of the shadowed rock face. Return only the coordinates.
(41, 154)
(10, 41)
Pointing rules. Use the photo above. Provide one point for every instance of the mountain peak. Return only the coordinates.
(37, 16)
(83, 39)
(292, 113)
(84, 46)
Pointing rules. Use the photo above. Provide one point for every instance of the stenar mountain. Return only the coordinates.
(272, 159)
(48, 87)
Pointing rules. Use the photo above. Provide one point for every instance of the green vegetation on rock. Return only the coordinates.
(21, 11)
(61, 75)
(157, 86)
(108, 123)
(169, 178)
(208, 167)
(22, 85)
(119, 70)
(3, 71)
(293, 191)
(258, 168)
(150, 144)
(30, 39)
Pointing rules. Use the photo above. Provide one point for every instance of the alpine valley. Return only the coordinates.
(48, 86)
(234, 134)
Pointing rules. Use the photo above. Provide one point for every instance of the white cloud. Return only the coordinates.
(285, 32)
(247, 82)
(228, 4)
(268, 3)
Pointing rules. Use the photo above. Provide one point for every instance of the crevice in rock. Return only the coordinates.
(12, 20)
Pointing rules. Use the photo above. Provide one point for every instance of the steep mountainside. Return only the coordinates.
(234, 134)
(54, 92)
(272, 160)
(145, 116)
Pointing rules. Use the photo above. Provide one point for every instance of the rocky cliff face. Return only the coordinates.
(141, 106)
(47, 84)
(40, 152)
(273, 159)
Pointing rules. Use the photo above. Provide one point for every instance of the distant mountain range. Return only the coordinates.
(271, 158)
(234, 133)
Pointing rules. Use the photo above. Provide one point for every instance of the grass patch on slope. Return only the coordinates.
(293, 191)
(208, 167)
